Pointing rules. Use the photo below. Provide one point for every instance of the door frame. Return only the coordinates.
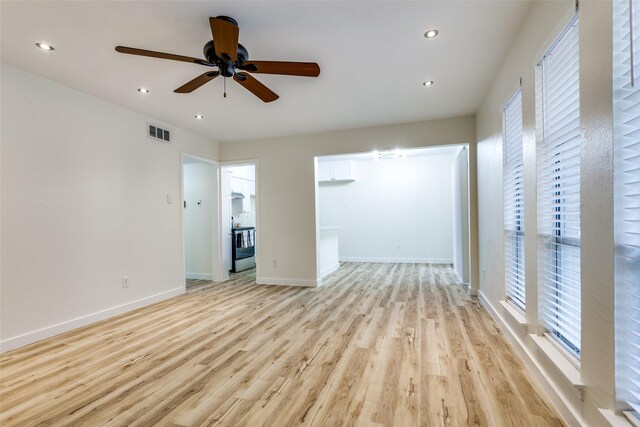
(217, 273)
(227, 200)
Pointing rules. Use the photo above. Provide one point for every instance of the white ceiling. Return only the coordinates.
(372, 54)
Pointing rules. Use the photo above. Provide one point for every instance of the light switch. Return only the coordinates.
(169, 199)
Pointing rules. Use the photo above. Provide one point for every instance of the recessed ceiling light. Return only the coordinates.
(428, 83)
(431, 34)
(143, 90)
(45, 46)
(199, 116)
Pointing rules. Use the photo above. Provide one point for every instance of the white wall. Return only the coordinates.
(200, 231)
(397, 210)
(84, 203)
(460, 177)
(286, 224)
(541, 27)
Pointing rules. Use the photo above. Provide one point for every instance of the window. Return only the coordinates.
(626, 115)
(513, 181)
(558, 94)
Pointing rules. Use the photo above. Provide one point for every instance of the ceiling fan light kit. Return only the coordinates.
(231, 60)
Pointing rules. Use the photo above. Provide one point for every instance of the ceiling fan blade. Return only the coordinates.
(255, 87)
(304, 69)
(225, 38)
(197, 82)
(161, 55)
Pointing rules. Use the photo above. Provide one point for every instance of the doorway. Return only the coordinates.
(200, 221)
(239, 218)
(393, 206)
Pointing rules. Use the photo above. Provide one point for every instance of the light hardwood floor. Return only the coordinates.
(379, 344)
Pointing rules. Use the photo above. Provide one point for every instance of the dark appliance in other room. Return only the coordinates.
(243, 249)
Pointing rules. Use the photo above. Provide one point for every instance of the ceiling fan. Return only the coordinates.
(231, 60)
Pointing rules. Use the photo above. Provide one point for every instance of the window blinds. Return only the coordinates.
(626, 103)
(513, 181)
(559, 189)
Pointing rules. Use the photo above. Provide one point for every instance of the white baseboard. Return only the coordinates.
(542, 377)
(199, 276)
(288, 282)
(50, 331)
(330, 269)
(398, 260)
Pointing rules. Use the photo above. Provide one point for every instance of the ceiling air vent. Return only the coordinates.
(157, 133)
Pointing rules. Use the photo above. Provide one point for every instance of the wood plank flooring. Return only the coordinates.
(378, 345)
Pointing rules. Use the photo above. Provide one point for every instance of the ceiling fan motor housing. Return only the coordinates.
(227, 68)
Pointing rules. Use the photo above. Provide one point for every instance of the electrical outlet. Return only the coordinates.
(275, 263)
(125, 281)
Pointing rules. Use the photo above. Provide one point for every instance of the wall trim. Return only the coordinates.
(306, 283)
(199, 276)
(398, 260)
(542, 378)
(329, 269)
(78, 322)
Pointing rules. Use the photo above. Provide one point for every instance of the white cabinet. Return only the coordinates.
(236, 185)
(248, 190)
(335, 171)
(325, 171)
(342, 170)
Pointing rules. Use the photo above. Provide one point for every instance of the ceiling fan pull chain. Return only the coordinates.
(225, 86)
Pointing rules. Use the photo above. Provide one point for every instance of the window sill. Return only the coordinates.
(514, 313)
(614, 419)
(566, 368)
